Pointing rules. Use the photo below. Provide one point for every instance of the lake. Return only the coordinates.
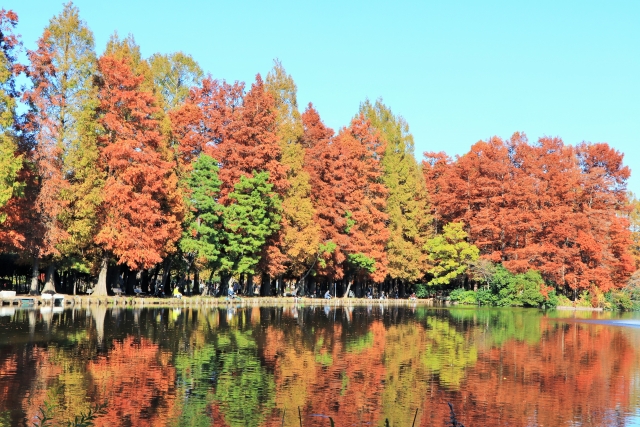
(294, 364)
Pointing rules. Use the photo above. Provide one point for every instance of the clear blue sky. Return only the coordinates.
(458, 71)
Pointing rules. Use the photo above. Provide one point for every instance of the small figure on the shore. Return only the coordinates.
(413, 297)
(176, 293)
(382, 296)
(327, 295)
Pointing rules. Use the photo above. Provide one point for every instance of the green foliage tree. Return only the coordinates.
(361, 261)
(450, 254)
(173, 76)
(74, 58)
(252, 216)
(10, 165)
(203, 235)
(407, 200)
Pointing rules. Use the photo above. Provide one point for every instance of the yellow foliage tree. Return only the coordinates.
(301, 235)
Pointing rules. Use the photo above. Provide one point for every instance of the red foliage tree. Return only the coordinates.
(47, 157)
(347, 191)
(318, 162)
(545, 206)
(15, 213)
(140, 214)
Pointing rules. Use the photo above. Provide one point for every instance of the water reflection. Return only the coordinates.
(359, 365)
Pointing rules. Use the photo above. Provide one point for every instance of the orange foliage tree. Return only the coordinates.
(46, 121)
(140, 214)
(546, 206)
(348, 193)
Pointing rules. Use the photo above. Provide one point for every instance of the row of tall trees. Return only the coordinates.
(147, 165)
(556, 208)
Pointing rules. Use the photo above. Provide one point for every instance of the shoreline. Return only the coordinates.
(69, 301)
(572, 308)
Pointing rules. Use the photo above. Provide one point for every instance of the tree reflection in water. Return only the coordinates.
(360, 366)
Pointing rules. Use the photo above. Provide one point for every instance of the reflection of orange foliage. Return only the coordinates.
(8, 368)
(217, 419)
(46, 376)
(136, 381)
(576, 373)
(329, 380)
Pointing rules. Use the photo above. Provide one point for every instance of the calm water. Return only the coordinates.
(255, 367)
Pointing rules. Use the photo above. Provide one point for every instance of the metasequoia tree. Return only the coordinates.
(546, 206)
(62, 114)
(300, 233)
(450, 254)
(364, 194)
(173, 76)
(407, 201)
(140, 212)
(633, 215)
(348, 194)
(71, 86)
(127, 48)
(10, 158)
(319, 157)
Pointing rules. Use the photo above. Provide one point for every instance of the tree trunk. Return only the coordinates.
(346, 294)
(131, 281)
(312, 286)
(35, 288)
(166, 269)
(265, 285)
(50, 284)
(144, 283)
(154, 281)
(224, 283)
(250, 285)
(101, 288)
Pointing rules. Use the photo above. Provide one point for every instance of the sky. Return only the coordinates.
(458, 72)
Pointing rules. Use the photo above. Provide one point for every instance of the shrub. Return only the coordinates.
(552, 300)
(486, 297)
(463, 297)
(564, 301)
(422, 290)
